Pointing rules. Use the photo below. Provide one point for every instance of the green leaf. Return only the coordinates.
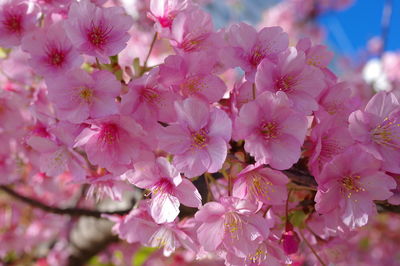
(297, 218)
(142, 255)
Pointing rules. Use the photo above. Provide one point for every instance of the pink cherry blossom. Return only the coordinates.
(328, 140)
(56, 159)
(352, 187)
(302, 83)
(192, 31)
(250, 47)
(231, 225)
(198, 139)
(190, 76)
(167, 186)
(139, 226)
(256, 183)
(51, 51)
(273, 132)
(377, 129)
(15, 22)
(114, 142)
(78, 95)
(97, 31)
(163, 12)
(148, 100)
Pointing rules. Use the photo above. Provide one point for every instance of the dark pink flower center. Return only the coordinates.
(98, 35)
(109, 133)
(55, 55)
(269, 130)
(13, 23)
(165, 22)
(163, 186)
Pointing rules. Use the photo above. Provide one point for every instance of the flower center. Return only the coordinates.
(55, 56)
(350, 184)
(233, 224)
(163, 186)
(192, 85)
(257, 56)
(192, 42)
(98, 35)
(269, 130)
(259, 186)
(285, 84)
(329, 148)
(109, 134)
(86, 94)
(13, 23)
(150, 95)
(200, 139)
(387, 133)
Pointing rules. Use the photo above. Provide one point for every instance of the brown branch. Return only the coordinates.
(56, 210)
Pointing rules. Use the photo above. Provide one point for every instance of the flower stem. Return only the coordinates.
(150, 50)
(312, 249)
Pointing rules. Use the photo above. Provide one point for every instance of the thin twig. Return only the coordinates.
(312, 249)
(150, 50)
(62, 211)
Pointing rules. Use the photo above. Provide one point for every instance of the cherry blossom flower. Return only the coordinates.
(256, 183)
(377, 129)
(148, 100)
(167, 186)
(352, 187)
(114, 143)
(51, 51)
(15, 22)
(328, 139)
(78, 95)
(190, 76)
(273, 132)
(96, 31)
(139, 226)
(163, 12)
(231, 225)
(249, 47)
(198, 139)
(302, 83)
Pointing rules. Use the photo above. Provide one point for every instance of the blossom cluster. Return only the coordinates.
(214, 159)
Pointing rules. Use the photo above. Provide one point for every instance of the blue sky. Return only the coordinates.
(348, 31)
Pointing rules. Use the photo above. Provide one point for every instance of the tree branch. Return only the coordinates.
(62, 211)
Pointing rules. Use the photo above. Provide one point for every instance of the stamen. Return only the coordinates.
(387, 133)
(233, 224)
(98, 35)
(285, 84)
(269, 130)
(350, 185)
(200, 139)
